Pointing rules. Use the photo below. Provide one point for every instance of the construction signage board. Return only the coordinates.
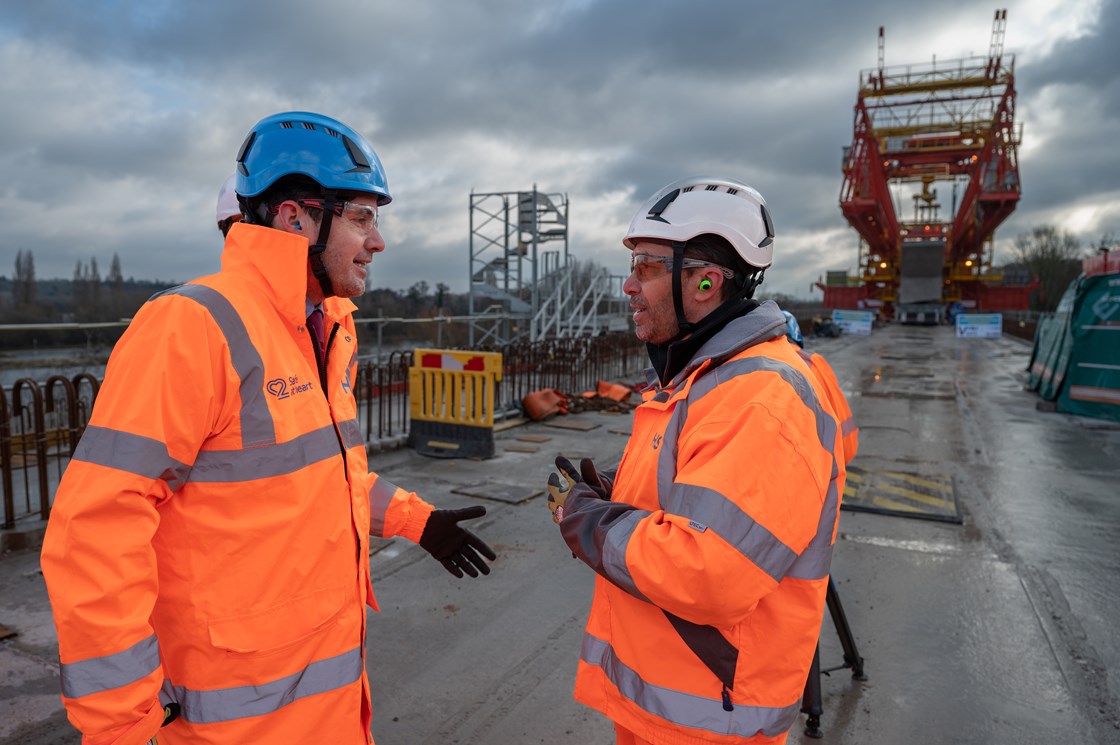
(854, 321)
(980, 325)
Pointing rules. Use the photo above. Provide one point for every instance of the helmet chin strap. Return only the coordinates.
(315, 252)
(684, 327)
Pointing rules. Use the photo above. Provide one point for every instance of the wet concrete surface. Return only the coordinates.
(998, 630)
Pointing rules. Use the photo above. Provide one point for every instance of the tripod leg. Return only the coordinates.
(847, 641)
(811, 699)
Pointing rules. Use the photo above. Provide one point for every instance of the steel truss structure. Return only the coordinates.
(918, 126)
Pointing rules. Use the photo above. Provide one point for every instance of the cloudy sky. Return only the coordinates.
(121, 118)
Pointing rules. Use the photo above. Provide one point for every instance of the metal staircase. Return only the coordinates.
(524, 284)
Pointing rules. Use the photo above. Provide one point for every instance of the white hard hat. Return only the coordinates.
(694, 206)
(227, 200)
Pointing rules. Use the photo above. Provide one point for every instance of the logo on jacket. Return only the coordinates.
(346, 381)
(656, 441)
(285, 388)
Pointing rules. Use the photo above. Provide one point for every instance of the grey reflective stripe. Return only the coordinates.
(739, 529)
(380, 495)
(131, 453)
(99, 674)
(351, 434)
(848, 426)
(614, 552)
(686, 709)
(681, 499)
(235, 466)
(226, 704)
(257, 427)
(813, 563)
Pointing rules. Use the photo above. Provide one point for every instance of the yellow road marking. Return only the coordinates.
(918, 480)
(916, 496)
(890, 504)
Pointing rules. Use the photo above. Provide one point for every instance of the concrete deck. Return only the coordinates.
(997, 630)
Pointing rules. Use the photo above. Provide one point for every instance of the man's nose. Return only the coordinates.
(631, 286)
(375, 243)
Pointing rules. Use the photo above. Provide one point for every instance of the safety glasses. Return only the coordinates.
(644, 266)
(364, 217)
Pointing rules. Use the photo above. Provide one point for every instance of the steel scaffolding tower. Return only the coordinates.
(524, 284)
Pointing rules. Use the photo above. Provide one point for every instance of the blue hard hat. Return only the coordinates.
(319, 147)
(793, 331)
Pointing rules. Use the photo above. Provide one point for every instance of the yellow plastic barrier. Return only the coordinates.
(451, 402)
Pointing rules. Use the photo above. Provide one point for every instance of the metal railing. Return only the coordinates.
(41, 423)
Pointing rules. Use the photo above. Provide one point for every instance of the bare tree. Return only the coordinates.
(25, 278)
(1054, 257)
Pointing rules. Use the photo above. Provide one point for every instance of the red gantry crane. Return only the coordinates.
(920, 129)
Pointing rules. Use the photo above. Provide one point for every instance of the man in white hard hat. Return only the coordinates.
(228, 211)
(712, 542)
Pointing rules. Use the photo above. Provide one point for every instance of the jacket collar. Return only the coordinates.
(278, 262)
(757, 325)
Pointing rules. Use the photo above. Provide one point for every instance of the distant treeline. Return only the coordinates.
(89, 298)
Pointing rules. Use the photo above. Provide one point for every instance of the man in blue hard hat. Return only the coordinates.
(208, 554)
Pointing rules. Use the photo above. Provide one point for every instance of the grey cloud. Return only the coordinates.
(132, 118)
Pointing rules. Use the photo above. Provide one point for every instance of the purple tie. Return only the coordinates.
(315, 322)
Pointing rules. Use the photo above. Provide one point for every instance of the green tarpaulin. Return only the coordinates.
(1076, 355)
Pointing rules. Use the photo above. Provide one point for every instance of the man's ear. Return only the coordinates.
(287, 217)
(708, 285)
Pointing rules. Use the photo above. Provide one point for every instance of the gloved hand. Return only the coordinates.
(600, 484)
(557, 493)
(588, 479)
(456, 548)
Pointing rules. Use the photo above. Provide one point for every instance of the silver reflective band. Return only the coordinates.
(135, 454)
(686, 709)
(380, 496)
(750, 538)
(614, 552)
(714, 510)
(227, 704)
(257, 427)
(251, 464)
(98, 674)
(351, 434)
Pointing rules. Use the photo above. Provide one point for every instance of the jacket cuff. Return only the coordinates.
(418, 513)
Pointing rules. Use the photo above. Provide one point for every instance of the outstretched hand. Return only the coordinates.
(455, 547)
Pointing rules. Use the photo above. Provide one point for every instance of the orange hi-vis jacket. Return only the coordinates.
(849, 432)
(713, 553)
(209, 544)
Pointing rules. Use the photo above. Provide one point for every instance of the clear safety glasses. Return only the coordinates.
(644, 266)
(364, 217)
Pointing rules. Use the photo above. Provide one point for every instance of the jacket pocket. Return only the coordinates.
(281, 625)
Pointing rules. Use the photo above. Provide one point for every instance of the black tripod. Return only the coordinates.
(811, 700)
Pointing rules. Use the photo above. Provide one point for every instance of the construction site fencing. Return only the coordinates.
(570, 365)
(42, 421)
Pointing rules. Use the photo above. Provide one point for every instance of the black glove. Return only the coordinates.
(456, 548)
(600, 484)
